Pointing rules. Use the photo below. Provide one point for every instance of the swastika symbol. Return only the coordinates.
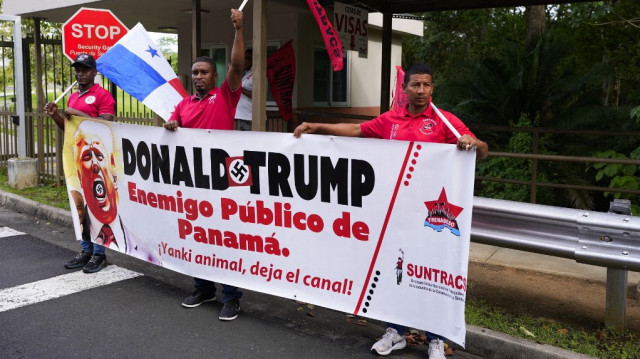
(238, 170)
(99, 190)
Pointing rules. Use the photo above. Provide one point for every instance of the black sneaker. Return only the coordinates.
(230, 310)
(80, 260)
(198, 297)
(95, 264)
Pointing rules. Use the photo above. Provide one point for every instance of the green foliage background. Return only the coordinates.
(581, 74)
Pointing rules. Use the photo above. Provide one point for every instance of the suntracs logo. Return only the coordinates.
(442, 214)
(427, 126)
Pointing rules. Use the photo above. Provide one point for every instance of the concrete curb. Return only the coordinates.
(490, 344)
(35, 209)
(480, 341)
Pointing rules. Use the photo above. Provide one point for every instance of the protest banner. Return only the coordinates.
(375, 228)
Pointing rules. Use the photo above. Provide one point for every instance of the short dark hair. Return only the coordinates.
(248, 52)
(207, 59)
(419, 68)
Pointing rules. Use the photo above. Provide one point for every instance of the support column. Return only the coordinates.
(40, 97)
(259, 98)
(195, 29)
(385, 73)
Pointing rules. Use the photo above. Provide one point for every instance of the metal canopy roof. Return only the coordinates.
(401, 6)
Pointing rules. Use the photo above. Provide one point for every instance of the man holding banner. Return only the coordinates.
(90, 100)
(213, 108)
(420, 121)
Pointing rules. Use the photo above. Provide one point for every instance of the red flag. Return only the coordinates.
(399, 97)
(331, 40)
(281, 73)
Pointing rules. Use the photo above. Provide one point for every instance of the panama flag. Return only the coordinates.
(136, 65)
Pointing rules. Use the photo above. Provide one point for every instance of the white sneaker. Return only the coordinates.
(391, 340)
(436, 349)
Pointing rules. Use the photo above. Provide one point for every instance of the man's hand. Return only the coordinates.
(303, 128)
(51, 109)
(171, 125)
(236, 19)
(468, 143)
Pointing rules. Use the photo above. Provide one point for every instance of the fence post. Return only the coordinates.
(40, 96)
(617, 282)
(534, 168)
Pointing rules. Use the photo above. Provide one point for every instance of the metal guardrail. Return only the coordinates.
(603, 239)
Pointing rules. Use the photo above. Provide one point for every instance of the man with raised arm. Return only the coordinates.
(213, 108)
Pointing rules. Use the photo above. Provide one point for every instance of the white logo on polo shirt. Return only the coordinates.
(427, 126)
(90, 99)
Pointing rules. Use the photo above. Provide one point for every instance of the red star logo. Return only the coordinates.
(443, 205)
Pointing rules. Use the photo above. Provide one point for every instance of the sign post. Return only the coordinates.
(91, 31)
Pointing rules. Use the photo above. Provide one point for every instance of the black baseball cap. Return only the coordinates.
(86, 60)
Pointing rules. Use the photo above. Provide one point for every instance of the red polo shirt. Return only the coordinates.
(94, 102)
(423, 127)
(215, 111)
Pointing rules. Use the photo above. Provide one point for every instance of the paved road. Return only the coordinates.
(135, 311)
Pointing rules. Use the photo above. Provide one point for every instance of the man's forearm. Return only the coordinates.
(59, 120)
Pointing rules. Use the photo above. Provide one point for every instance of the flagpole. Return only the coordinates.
(446, 122)
(244, 2)
(65, 92)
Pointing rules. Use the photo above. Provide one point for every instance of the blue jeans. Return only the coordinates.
(209, 286)
(88, 246)
(401, 329)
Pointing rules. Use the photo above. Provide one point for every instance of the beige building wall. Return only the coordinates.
(291, 23)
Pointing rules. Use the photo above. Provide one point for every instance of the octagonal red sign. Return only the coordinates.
(91, 31)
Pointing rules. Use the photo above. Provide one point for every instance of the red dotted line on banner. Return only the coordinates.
(411, 168)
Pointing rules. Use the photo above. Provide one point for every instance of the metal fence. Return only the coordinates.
(531, 160)
(603, 239)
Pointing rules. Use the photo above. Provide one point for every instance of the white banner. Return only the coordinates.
(370, 227)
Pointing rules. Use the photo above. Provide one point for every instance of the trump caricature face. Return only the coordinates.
(95, 163)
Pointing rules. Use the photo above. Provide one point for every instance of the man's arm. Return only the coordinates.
(336, 129)
(106, 116)
(73, 112)
(51, 109)
(234, 75)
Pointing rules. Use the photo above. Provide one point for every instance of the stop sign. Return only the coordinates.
(91, 31)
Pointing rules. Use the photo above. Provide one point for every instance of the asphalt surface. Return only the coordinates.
(142, 317)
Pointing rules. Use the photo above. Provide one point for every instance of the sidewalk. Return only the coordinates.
(489, 268)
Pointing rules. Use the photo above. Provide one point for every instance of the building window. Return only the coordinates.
(330, 88)
(219, 54)
(272, 46)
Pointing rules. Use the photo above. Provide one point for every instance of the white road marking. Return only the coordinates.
(8, 232)
(56, 287)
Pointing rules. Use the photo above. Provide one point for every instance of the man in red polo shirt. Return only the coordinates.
(93, 101)
(213, 108)
(417, 121)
